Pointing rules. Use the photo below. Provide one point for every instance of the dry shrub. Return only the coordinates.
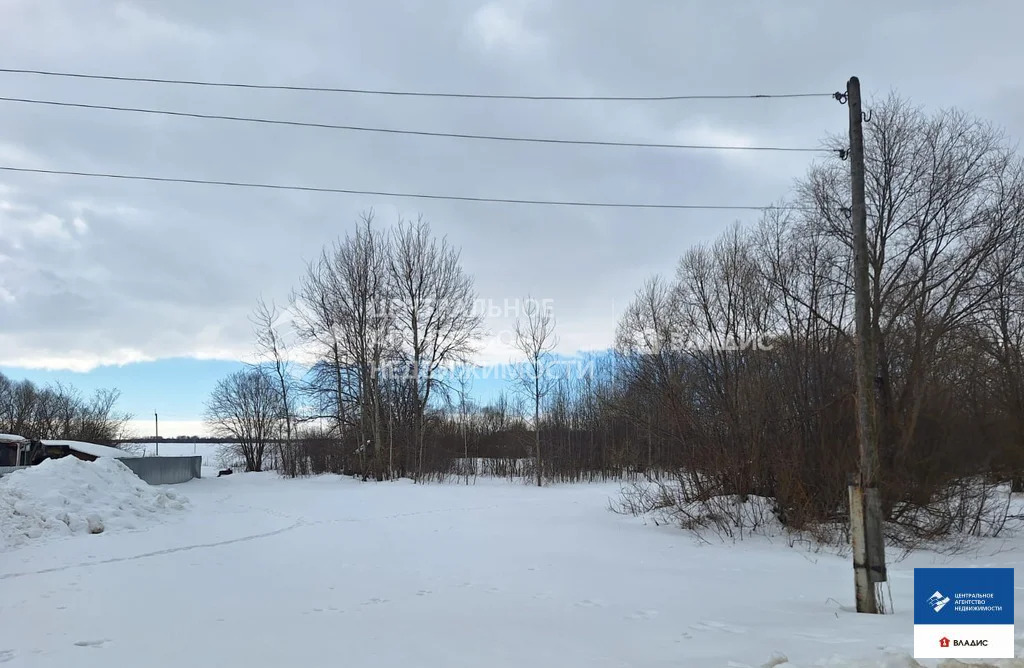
(948, 520)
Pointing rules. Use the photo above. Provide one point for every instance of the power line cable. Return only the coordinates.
(380, 193)
(420, 133)
(406, 93)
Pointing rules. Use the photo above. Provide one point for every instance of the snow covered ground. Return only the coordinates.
(210, 452)
(327, 571)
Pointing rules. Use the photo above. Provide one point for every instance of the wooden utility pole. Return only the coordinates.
(865, 503)
(156, 438)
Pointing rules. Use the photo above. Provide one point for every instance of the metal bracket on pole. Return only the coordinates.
(873, 527)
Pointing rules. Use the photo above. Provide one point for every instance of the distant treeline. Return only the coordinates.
(175, 439)
(59, 411)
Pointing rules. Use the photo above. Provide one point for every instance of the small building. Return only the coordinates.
(16, 450)
(82, 450)
(154, 470)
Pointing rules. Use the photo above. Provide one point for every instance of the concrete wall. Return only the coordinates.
(165, 470)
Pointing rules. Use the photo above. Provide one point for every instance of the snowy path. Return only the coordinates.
(264, 572)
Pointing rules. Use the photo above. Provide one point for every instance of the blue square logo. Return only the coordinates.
(963, 596)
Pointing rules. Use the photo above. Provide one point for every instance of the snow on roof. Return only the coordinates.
(11, 438)
(91, 449)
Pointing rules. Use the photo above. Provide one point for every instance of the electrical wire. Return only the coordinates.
(380, 193)
(420, 133)
(406, 93)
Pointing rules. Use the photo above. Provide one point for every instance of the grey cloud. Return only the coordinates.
(170, 270)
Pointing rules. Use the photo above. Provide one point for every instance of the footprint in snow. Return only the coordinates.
(643, 614)
(92, 643)
(424, 592)
(587, 603)
(718, 626)
(6, 655)
(375, 601)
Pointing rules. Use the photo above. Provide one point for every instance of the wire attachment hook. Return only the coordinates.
(866, 116)
(846, 211)
(844, 153)
(840, 96)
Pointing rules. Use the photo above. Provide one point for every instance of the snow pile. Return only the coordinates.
(68, 496)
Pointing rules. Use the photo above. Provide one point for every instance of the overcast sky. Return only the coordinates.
(96, 273)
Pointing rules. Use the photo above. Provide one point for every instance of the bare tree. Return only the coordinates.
(317, 325)
(946, 221)
(1000, 339)
(463, 381)
(60, 412)
(245, 406)
(99, 421)
(345, 308)
(366, 330)
(942, 197)
(272, 353)
(434, 313)
(536, 339)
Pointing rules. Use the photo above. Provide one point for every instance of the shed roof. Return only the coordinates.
(91, 449)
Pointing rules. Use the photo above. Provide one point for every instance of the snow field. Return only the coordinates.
(210, 452)
(327, 571)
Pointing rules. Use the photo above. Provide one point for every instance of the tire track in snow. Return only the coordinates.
(296, 525)
(156, 553)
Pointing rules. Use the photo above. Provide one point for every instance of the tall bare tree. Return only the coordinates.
(317, 323)
(536, 340)
(272, 353)
(942, 198)
(458, 401)
(364, 300)
(1000, 338)
(434, 313)
(245, 407)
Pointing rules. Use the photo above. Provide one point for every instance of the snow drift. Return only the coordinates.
(68, 496)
